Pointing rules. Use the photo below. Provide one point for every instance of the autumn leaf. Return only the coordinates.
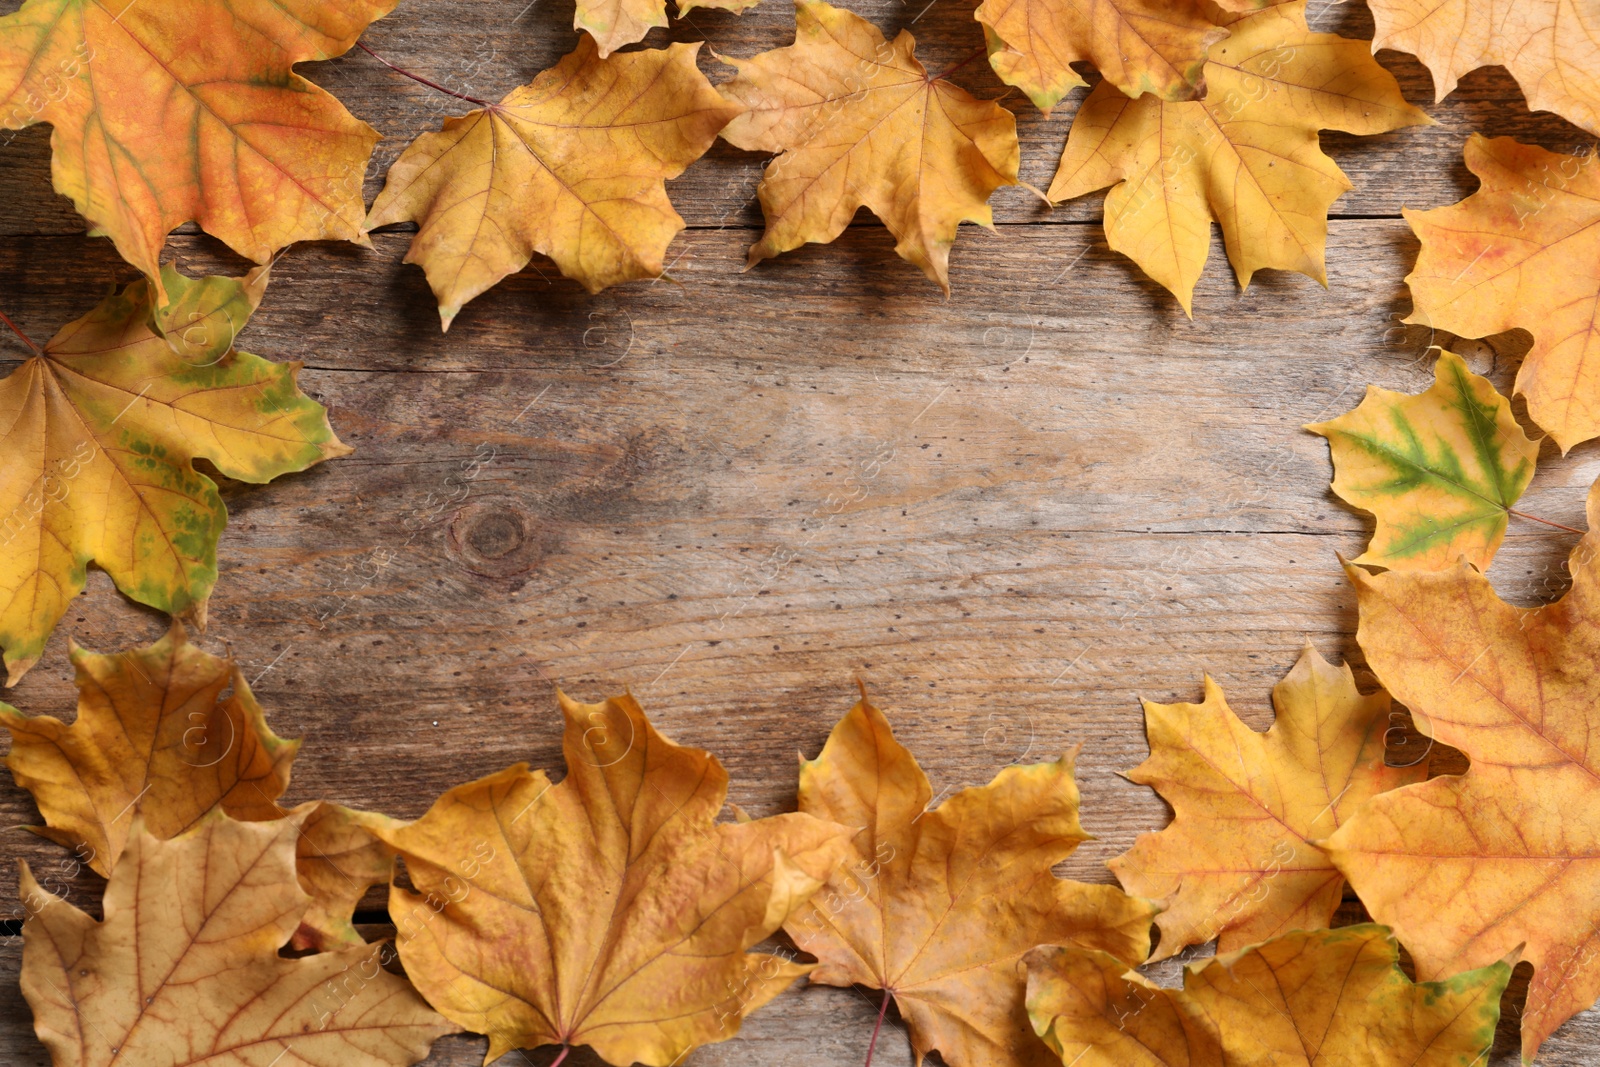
(936, 907)
(1236, 862)
(99, 431)
(608, 910)
(165, 734)
(572, 165)
(1551, 47)
(1520, 252)
(858, 121)
(1247, 155)
(1440, 470)
(185, 968)
(338, 859)
(1307, 998)
(615, 23)
(167, 730)
(189, 110)
(1139, 46)
(1468, 867)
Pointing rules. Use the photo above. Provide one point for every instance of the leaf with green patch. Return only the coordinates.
(1306, 999)
(1440, 470)
(99, 431)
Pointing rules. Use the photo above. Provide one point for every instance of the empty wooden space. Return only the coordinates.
(1011, 514)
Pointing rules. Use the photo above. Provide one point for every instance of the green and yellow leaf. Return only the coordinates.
(1440, 470)
(98, 434)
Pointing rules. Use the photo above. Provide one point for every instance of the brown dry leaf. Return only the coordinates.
(185, 968)
(1551, 47)
(189, 110)
(936, 907)
(1140, 46)
(1307, 999)
(572, 165)
(1236, 862)
(1520, 252)
(1467, 868)
(608, 910)
(859, 122)
(166, 734)
(1246, 156)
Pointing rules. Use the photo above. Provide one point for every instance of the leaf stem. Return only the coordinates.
(432, 85)
(1525, 515)
(564, 1048)
(948, 71)
(14, 329)
(883, 1009)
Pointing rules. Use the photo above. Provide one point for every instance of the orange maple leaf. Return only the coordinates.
(1246, 156)
(1237, 863)
(608, 910)
(165, 735)
(937, 906)
(185, 110)
(1140, 46)
(859, 122)
(1306, 999)
(184, 971)
(572, 165)
(1551, 47)
(1520, 252)
(1467, 868)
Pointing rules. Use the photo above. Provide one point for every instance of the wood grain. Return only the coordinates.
(1009, 513)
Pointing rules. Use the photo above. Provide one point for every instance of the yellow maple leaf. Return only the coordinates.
(1247, 155)
(166, 734)
(1551, 47)
(937, 906)
(100, 430)
(1440, 470)
(1520, 252)
(189, 110)
(614, 23)
(572, 165)
(337, 859)
(1237, 863)
(1306, 999)
(1139, 46)
(185, 968)
(1467, 868)
(608, 910)
(859, 122)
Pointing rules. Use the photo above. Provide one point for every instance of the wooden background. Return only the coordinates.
(1058, 493)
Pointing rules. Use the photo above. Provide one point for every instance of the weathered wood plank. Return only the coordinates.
(1030, 502)
(482, 48)
(1009, 513)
